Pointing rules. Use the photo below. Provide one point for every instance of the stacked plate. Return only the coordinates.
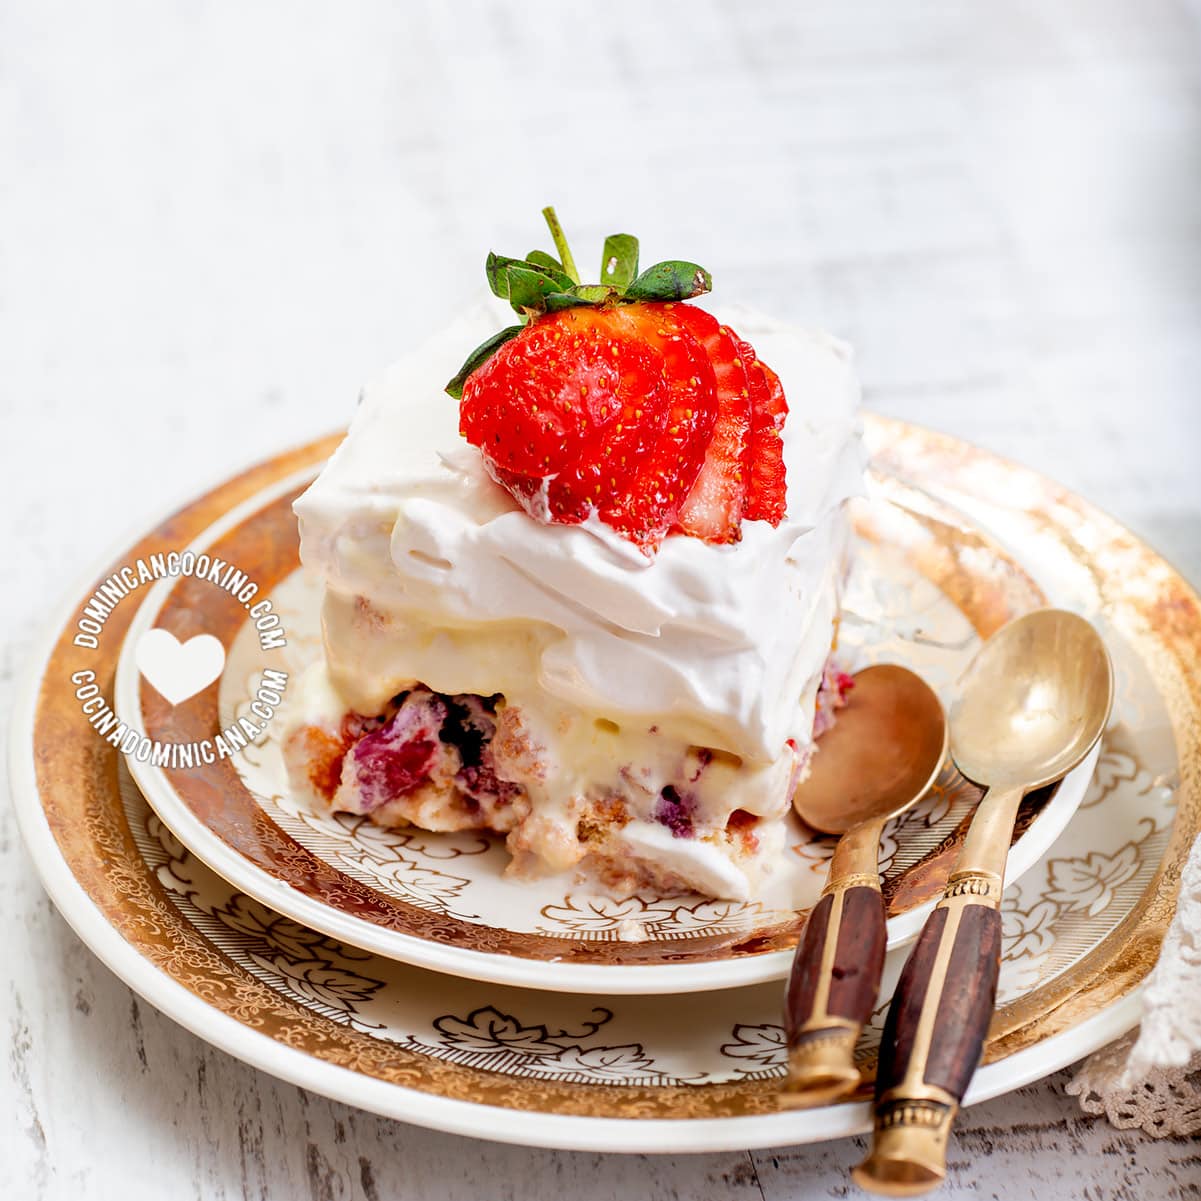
(402, 972)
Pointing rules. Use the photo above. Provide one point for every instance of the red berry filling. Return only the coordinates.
(396, 759)
(425, 737)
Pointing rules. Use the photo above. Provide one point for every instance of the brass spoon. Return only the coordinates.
(1031, 705)
(877, 760)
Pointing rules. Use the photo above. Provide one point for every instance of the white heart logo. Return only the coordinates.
(179, 670)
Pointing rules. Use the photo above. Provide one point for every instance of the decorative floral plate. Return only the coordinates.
(925, 587)
(1082, 926)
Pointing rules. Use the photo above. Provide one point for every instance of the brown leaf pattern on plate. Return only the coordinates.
(637, 917)
(489, 1038)
(764, 1046)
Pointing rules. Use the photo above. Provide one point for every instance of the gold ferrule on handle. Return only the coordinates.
(821, 1068)
(909, 1146)
(847, 882)
(972, 888)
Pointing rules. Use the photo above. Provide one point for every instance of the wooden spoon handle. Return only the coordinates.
(934, 1036)
(939, 1016)
(832, 989)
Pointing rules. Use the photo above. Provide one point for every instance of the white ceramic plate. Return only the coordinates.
(443, 901)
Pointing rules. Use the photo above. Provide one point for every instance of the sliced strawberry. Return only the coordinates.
(766, 491)
(662, 481)
(713, 508)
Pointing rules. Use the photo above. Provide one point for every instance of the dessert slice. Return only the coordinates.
(589, 607)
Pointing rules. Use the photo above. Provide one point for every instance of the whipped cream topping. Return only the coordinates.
(434, 574)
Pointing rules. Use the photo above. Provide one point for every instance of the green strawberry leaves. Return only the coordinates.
(539, 258)
(670, 281)
(527, 288)
(619, 261)
(541, 283)
(501, 271)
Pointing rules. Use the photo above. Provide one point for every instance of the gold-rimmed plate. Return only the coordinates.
(1082, 926)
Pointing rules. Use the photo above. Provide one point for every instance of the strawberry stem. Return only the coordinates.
(560, 240)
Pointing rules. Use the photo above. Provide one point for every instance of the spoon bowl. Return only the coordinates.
(880, 757)
(1032, 702)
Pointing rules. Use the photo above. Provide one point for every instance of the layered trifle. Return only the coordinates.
(588, 600)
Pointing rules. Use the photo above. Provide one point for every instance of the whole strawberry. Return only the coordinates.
(620, 400)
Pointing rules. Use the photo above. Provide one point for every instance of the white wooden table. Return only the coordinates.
(217, 218)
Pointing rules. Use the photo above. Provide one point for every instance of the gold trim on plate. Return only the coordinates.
(1140, 596)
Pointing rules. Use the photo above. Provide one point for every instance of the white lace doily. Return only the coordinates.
(1152, 1077)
